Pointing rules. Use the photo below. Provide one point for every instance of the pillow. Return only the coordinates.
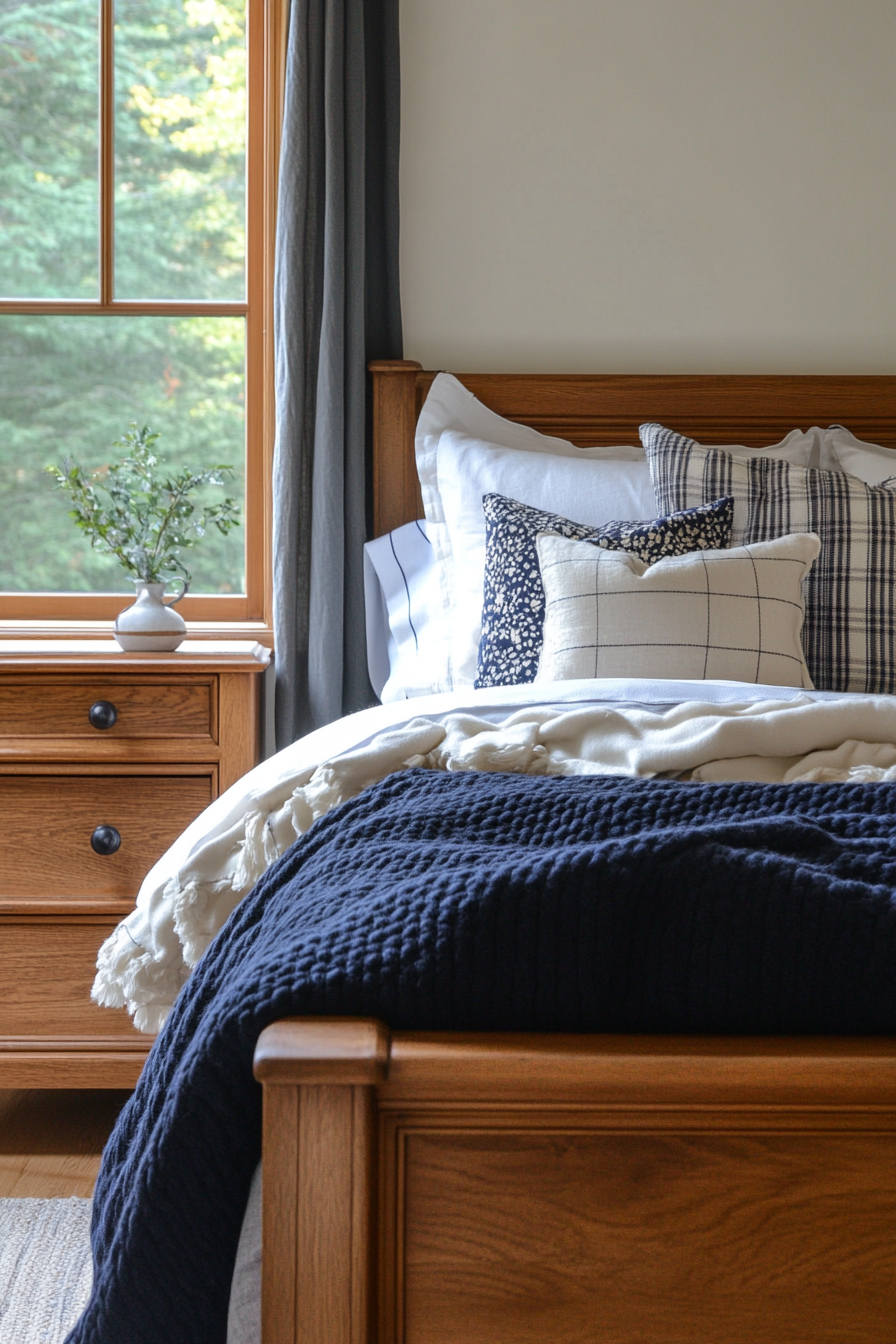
(513, 598)
(850, 630)
(406, 653)
(711, 615)
(465, 451)
(871, 462)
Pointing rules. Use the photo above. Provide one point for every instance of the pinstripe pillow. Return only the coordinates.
(732, 615)
(850, 632)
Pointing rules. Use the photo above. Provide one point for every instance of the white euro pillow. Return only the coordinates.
(465, 451)
(733, 615)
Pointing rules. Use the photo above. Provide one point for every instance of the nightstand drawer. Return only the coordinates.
(102, 709)
(47, 968)
(52, 825)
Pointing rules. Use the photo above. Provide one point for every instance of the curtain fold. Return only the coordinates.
(336, 306)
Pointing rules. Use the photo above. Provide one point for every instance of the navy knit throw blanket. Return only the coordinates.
(488, 902)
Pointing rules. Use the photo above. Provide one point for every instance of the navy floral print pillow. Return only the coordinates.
(513, 605)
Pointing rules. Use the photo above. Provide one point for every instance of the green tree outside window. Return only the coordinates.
(70, 384)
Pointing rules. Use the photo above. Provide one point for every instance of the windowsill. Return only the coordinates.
(249, 630)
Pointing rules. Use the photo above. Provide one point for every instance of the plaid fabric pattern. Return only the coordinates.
(733, 615)
(849, 636)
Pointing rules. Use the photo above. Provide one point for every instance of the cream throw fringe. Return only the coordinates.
(144, 963)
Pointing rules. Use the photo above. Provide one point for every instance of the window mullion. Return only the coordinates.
(107, 151)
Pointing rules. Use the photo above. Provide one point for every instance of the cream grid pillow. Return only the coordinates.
(732, 615)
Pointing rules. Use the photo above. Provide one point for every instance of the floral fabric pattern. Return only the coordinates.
(513, 605)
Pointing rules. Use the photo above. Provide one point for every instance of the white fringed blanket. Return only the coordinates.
(731, 732)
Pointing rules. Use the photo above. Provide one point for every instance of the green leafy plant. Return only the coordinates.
(140, 513)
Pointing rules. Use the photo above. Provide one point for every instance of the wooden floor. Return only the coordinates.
(51, 1140)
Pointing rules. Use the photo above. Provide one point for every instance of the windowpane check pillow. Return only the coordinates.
(513, 606)
(850, 631)
(733, 615)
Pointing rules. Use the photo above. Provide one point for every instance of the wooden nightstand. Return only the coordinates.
(105, 757)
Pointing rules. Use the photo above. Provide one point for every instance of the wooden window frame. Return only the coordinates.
(38, 613)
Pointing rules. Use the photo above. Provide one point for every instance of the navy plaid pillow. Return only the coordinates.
(513, 605)
(849, 635)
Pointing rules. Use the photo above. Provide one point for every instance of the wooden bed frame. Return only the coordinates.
(503, 1189)
(438, 1189)
(607, 409)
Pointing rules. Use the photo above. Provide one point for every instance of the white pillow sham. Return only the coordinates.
(733, 615)
(465, 451)
(871, 462)
(406, 644)
(591, 492)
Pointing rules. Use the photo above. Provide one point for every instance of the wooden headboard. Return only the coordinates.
(608, 408)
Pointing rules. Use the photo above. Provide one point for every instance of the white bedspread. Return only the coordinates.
(710, 730)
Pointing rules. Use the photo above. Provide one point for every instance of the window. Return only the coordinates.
(138, 150)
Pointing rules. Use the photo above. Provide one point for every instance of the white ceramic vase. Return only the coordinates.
(150, 625)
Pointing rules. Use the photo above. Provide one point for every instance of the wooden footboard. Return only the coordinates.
(489, 1189)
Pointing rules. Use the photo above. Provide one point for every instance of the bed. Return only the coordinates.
(427, 1187)
(487, 1186)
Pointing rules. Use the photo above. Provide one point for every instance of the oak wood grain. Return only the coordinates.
(51, 1141)
(317, 1212)
(47, 969)
(334, 1207)
(323, 1262)
(50, 1062)
(45, 706)
(279, 1214)
(48, 821)
(362, 1288)
(70, 1067)
(322, 1050)
(725, 1239)
(586, 1190)
(239, 728)
(66, 753)
(318, 1202)
(103, 656)
(754, 410)
(54, 906)
(187, 726)
(48, 1175)
(396, 489)
(622, 1071)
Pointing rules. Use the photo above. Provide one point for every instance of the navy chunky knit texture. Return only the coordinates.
(488, 902)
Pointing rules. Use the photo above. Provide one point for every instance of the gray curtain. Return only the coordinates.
(336, 307)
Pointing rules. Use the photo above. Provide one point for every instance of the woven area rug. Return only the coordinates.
(45, 1268)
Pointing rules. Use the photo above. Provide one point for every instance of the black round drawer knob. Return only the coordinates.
(105, 840)
(102, 714)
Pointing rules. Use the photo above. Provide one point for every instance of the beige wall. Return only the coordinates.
(649, 185)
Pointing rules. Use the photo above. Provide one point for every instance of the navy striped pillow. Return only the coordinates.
(849, 635)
